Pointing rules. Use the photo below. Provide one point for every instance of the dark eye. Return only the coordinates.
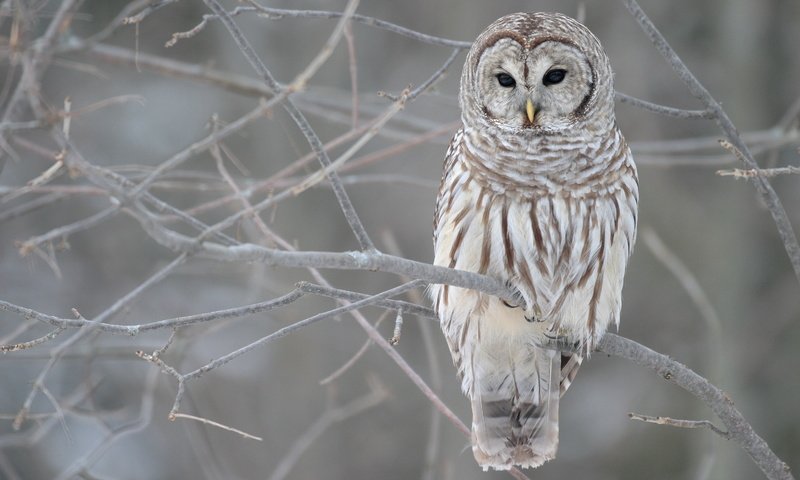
(506, 80)
(554, 76)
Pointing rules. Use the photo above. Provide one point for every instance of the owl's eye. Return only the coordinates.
(506, 80)
(554, 76)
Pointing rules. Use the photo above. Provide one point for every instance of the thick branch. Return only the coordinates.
(373, 261)
(739, 430)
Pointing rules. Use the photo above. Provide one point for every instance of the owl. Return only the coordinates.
(539, 191)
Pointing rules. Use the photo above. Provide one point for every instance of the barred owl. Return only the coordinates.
(540, 191)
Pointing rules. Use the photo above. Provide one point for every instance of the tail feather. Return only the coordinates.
(570, 363)
(515, 415)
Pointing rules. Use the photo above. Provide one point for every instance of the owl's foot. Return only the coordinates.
(532, 315)
(516, 299)
(508, 304)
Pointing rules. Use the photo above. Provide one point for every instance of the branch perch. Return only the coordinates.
(739, 430)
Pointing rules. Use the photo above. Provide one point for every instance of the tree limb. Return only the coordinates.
(738, 428)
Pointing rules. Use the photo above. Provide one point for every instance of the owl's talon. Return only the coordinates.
(508, 304)
(517, 298)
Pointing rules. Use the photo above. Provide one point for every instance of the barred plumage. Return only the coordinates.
(545, 201)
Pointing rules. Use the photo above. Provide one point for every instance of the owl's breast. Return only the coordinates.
(566, 255)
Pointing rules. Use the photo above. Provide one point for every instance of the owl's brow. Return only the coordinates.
(536, 41)
(491, 40)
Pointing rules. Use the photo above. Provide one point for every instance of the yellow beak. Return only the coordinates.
(530, 110)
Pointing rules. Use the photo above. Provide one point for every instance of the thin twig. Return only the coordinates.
(356, 356)
(353, 64)
(63, 232)
(688, 281)
(39, 55)
(323, 423)
(316, 145)
(173, 416)
(236, 312)
(673, 422)
(761, 172)
(82, 463)
(398, 328)
(300, 325)
(663, 110)
(434, 371)
(176, 322)
(691, 285)
(206, 143)
(30, 344)
(105, 315)
(279, 13)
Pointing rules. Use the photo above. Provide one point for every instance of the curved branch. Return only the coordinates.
(739, 430)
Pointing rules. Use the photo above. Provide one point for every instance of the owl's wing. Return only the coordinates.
(445, 197)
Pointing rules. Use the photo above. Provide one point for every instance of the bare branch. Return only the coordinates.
(215, 424)
(174, 68)
(353, 64)
(36, 60)
(279, 13)
(105, 315)
(82, 463)
(348, 260)
(62, 232)
(230, 202)
(687, 280)
(398, 328)
(356, 356)
(177, 322)
(323, 423)
(206, 143)
(25, 345)
(761, 172)
(739, 430)
(679, 423)
(663, 110)
(301, 324)
(298, 117)
(765, 190)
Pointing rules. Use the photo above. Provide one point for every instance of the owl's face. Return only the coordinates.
(535, 73)
(539, 87)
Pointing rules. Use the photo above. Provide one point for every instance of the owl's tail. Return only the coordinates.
(515, 408)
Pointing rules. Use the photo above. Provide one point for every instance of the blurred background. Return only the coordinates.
(111, 420)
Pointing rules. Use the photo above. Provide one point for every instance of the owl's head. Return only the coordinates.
(536, 73)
